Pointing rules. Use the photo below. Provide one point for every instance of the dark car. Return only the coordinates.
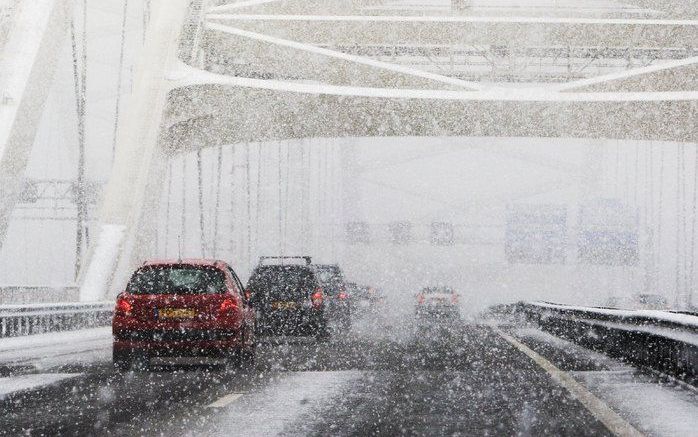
(364, 299)
(288, 298)
(338, 299)
(182, 308)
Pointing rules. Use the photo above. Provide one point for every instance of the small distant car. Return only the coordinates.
(437, 302)
(364, 298)
(338, 299)
(183, 308)
(288, 297)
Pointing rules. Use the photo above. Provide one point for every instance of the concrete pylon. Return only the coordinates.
(27, 65)
(136, 173)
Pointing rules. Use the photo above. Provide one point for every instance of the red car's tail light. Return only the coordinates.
(317, 298)
(123, 307)
(228, 306)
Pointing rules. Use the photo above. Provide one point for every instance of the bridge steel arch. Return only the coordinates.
(294, 85)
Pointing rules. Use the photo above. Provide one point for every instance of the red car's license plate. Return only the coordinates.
(176, 313)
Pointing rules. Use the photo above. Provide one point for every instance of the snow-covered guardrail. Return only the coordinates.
(16, 320)
(662, 340)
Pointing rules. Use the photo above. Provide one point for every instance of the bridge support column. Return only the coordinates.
(129, 196)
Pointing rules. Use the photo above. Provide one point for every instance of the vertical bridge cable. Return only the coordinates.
(677, 272)
(660, 201)
(286, 188)
(333, 199)
(119, 79)
(219, 173)
(684, 225)
(303, 198)
(278, 157)
(692, 252)
(258, 204)
(328, 190)
(146, 17)
(167, 207)
(232, 203)
(617, 170)
(200, 194)
(249, 201)
(79, 76)
(649, 217)
(183, 232)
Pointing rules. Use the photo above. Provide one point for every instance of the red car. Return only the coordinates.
(183, 308)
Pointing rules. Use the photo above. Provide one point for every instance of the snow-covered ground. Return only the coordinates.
(654, 404)
(10, 385)
(52, 350)
(284, 401)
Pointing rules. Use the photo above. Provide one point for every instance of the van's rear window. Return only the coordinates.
(177, 280)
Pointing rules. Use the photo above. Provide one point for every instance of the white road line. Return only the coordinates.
(225, 400)
(616, 424)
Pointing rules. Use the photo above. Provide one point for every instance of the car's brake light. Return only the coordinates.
(228, 306)
(343, 295)
(420, 299)
(123, 307)
(317, 298)
(454, 298)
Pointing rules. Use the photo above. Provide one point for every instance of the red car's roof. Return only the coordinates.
(190, 261)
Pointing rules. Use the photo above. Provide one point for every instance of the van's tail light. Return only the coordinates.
(123, 307)
(454, 298)
(228, 306)
(317, 298)
(343, 296)
(420, 298)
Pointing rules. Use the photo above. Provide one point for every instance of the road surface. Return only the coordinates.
(460, 378)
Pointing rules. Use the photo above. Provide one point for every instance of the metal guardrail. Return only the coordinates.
(17, 320)
(661, 340)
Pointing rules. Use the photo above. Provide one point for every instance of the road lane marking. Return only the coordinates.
(225, 400)
(614, 422)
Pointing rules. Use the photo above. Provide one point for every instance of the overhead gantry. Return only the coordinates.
(261, 70)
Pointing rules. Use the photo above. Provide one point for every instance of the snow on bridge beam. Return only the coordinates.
(681, 74)
(27, 64)
(204, 109)
(469, 30)
(204, 117)
(665, 8)
(353, 60)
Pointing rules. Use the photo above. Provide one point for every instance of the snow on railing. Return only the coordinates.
(17, 320)
(681, 320)
(661, 340)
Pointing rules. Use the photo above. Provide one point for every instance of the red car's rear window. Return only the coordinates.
(177, 279)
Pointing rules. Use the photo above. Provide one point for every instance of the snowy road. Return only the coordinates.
(463, 379)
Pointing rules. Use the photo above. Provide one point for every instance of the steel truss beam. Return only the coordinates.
(182, 107)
